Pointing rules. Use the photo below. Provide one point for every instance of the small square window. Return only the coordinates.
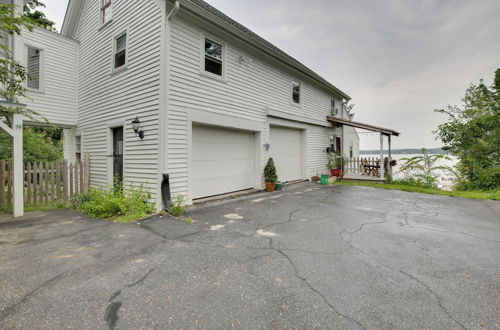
(34, 68)
(121, 51)
(106, 11)
(296, 91)
(213, 57)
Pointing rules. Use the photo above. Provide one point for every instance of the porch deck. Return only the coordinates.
(358, 177)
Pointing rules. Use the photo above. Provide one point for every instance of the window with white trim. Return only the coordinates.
(33, 68)
(120, 56)
(296, 87)
(213, 57)
(78, 147)
(106, 11)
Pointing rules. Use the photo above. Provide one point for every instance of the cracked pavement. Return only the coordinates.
(334, 257)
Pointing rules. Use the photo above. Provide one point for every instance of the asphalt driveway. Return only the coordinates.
(310, 257)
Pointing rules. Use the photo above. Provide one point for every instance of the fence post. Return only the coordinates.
(40, 183)
(2, 182)
(77, 181)
(27, 200)
(87, 172)
(46, 182)
(65, 181)
(52, 180)
(9, 183)
(58, 180)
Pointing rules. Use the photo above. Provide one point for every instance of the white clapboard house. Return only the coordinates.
(150, 88)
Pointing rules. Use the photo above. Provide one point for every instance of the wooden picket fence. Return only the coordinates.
(46, 183)
(355, 165)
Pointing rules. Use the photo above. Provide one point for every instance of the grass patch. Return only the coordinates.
(41, 207)
(476, 194)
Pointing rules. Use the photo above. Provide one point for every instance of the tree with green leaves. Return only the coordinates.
(472, 134)
(31, 10)
(424, 169)
(39, 145)
(12, 74)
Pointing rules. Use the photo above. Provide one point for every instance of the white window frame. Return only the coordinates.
(113, 59)
(41, 86)
(104, 4)
(294, 80)
(202, 57)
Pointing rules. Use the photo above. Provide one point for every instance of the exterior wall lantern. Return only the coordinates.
(136, 126)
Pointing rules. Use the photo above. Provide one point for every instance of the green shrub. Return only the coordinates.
(176, 207)
(78, 200)
(115, 203)
(270, 174)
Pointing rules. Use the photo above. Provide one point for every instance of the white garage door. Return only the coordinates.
(222, 161)
(287, 152)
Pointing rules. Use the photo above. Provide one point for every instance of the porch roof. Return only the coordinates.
(381, 130)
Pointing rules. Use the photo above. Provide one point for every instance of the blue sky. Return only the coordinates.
(398, 60)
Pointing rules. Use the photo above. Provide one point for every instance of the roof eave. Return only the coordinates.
(71, 18)
(369, 127)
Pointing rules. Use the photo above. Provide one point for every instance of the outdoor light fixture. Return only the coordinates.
(136, 126)
(267, 146)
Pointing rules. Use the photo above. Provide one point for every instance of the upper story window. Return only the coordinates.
(334, 109)
(33, 68)
(296, 88)
(213, 57)
(120, 56)
(106, 11)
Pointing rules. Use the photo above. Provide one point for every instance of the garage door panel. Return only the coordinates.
(287, 152)
(222, 161)
(229, 151)
(213, 168)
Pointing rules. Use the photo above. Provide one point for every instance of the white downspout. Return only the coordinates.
(164, 100)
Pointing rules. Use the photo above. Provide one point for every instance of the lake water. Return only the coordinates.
(445, 180)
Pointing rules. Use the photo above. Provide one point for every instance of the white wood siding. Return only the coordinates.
(108, 98)
(248, 91)
(57, 101)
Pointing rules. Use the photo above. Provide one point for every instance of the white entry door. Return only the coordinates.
(222, 161)
(287, 152)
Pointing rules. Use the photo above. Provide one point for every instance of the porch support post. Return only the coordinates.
(18, 167)
(389, 159)
(381, 156)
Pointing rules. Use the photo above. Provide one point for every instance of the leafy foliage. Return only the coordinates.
(39, 145)
(270, 174)
(115, 203)
(31, 11)
(422, 170)
(472, 134)
(176, 207)
(12, 73)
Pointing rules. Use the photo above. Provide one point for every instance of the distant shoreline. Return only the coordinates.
(404, 151)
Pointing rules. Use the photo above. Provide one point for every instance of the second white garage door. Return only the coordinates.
(222, 161)
(287, 152)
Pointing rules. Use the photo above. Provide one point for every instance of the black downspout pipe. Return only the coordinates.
(165, 192)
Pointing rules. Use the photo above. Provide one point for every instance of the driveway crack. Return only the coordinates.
(412, 277)
(9, 310)
(311, 287)
(111, 312)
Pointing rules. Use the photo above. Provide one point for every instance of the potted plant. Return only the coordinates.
(335, 167)
(270, 176)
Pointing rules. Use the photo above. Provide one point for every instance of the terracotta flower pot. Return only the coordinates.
(270, 186)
